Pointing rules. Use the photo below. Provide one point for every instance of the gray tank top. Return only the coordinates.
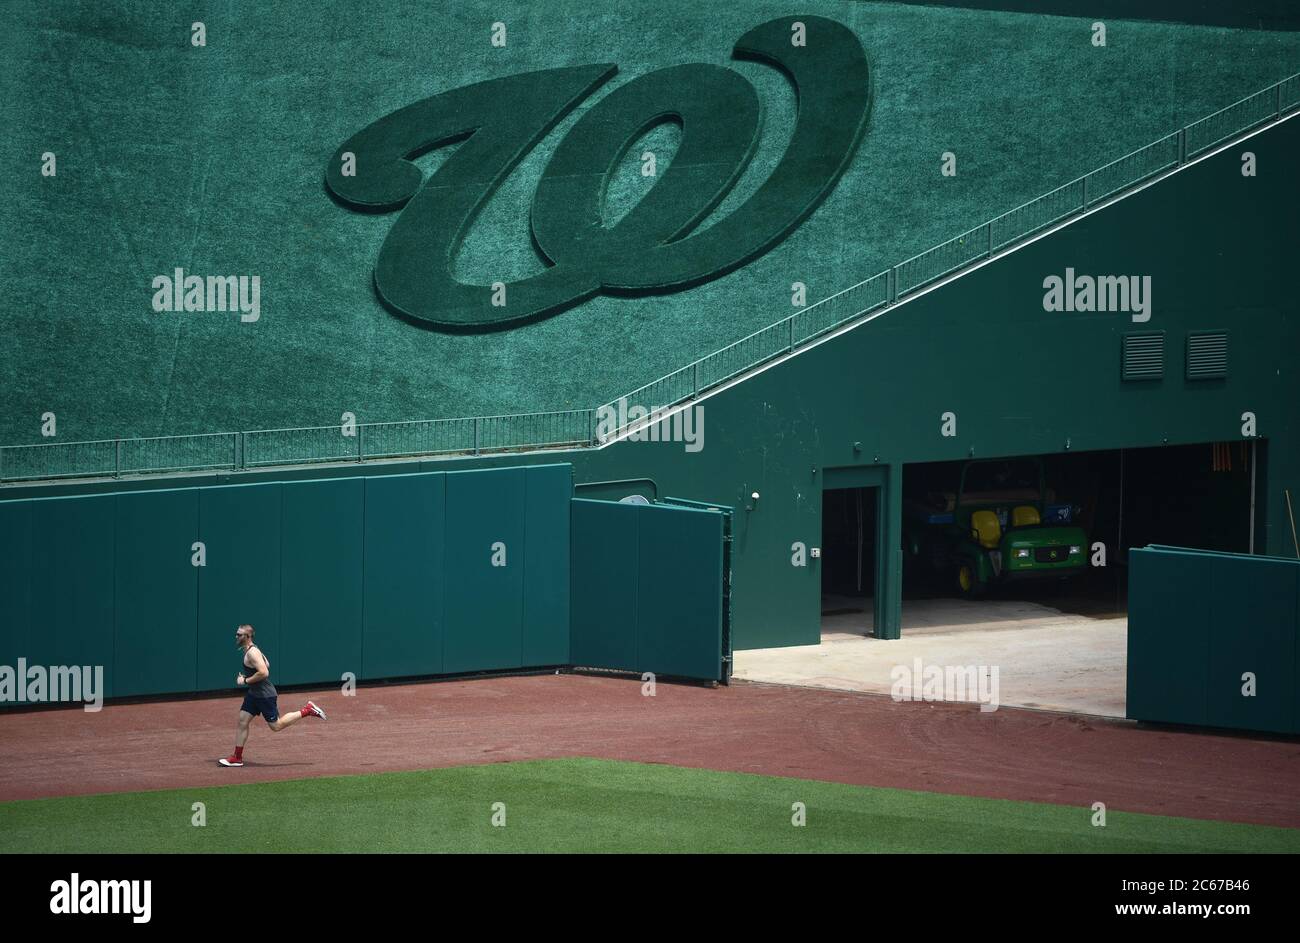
(263, 688)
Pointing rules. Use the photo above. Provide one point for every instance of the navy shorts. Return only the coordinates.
(268, 707)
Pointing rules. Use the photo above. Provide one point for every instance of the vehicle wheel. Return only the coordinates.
(968, 582)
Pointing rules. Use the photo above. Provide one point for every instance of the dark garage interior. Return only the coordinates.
(1196, 496)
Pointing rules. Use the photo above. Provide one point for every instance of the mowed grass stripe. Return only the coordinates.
(594, 805)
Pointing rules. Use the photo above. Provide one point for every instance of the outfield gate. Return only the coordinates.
(1214, 639)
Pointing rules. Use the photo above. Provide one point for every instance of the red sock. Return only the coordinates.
(239, 753)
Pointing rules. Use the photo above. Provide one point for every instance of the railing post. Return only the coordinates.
(476, 440)
(591, 427)
(1277, 92)
(791, 347)
(1182, 146)
(892, 281)
(989, 226)
(117, 468)
(695, 380)
(1085, 191)
(361, 449)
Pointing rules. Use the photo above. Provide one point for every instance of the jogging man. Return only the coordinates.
(261, 697)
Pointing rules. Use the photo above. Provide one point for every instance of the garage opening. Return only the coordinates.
(1055, 530)
(849, 563)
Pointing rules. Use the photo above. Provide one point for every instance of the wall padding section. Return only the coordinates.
(484, 606)
(384, 577)
(1198, 622)
(1166, 672)
(157, 587)
(647, 588)
(404, 588)
(321, 590)
(15, 582)
(240, 524)
(679, 602)
(547, 490)
(74, 557)
(1247, 606)
(605, 584)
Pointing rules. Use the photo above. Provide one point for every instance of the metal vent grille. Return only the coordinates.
(1144, 356)
(1207, 356)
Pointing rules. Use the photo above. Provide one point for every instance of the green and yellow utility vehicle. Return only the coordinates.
(1000, 524)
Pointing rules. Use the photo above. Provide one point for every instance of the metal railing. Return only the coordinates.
(576, 428)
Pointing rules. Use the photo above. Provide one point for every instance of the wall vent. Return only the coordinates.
(1207, 355)
(1143, 356)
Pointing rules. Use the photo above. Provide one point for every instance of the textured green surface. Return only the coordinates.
(581, 805)
(212, 159)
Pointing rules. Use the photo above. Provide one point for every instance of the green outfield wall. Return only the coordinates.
(1219, 248)
(1213, 639)
(379, 577)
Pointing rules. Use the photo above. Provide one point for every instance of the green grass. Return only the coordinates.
(594, 805)
(212, 159)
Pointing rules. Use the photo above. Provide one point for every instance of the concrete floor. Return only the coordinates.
(1044, 658)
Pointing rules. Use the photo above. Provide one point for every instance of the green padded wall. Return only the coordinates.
(1198, 621)
(547, 490)
(240, 524)
(404, 589)
(647, 588)
(320, 566)
(605, 587)
(1251, 606)
(484, 607)
(15, 581)
(156, 591)
(383, 577)
(73, 592)
(1166, 674)
(679, 602)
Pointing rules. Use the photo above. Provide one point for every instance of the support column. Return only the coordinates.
(889, 553)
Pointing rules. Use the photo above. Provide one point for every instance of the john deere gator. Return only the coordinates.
(1000, 523)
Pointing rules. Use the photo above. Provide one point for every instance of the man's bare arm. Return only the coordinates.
(259, 662)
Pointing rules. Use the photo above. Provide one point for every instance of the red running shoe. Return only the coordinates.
(311, 710)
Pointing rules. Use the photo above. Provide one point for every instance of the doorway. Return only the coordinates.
(849, 564)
